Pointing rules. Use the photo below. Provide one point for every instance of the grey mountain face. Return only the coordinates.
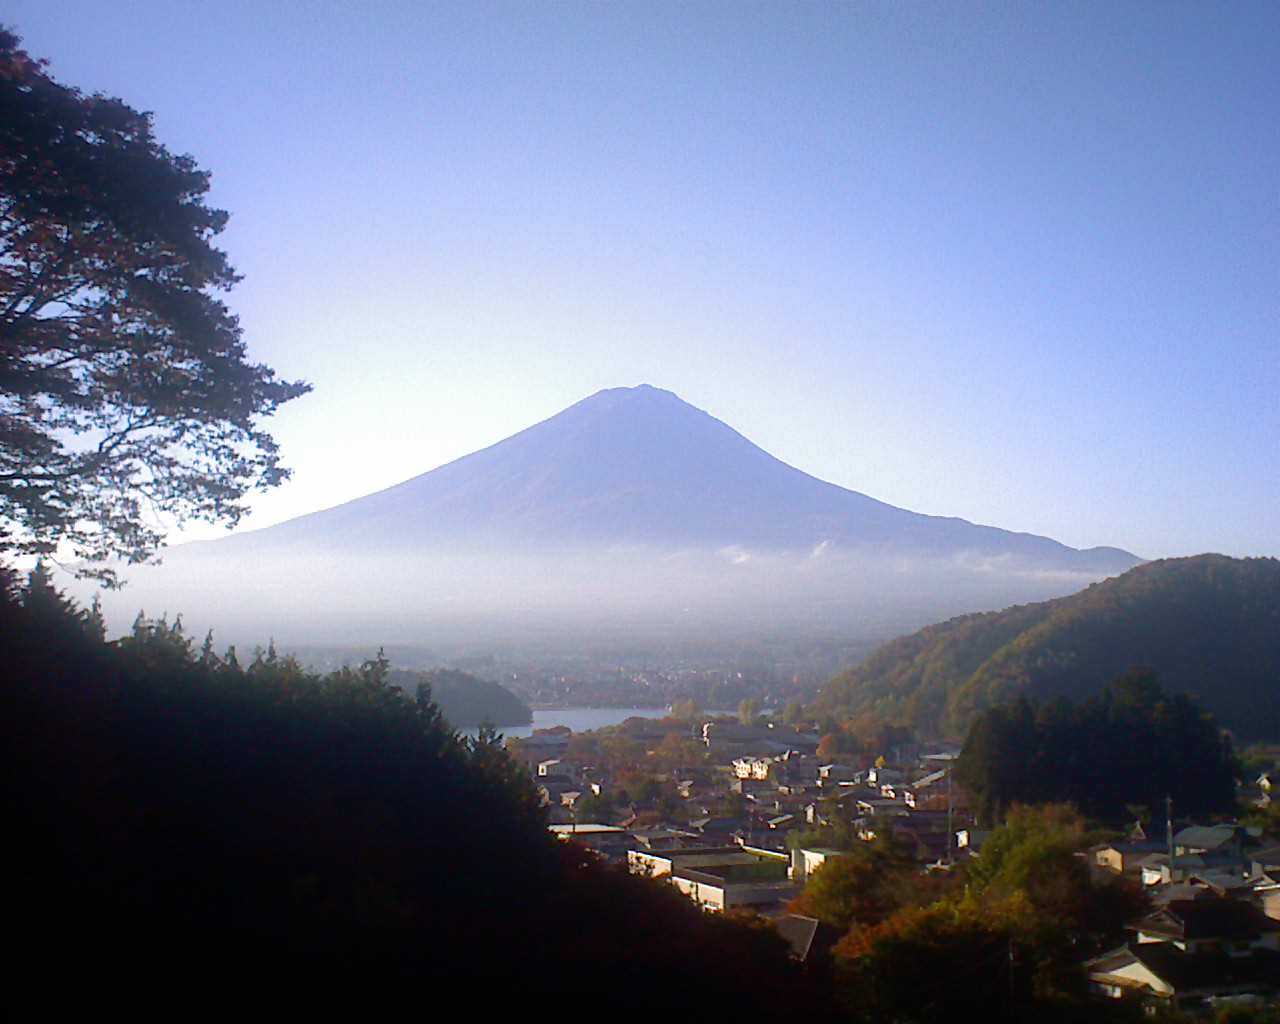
(640, 467)
(628, 505)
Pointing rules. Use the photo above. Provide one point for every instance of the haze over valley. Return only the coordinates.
(629, 521)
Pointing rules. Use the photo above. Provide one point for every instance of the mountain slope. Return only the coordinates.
(640, 466)
(1208, 625)
(629, 511)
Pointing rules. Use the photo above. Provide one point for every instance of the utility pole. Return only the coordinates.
(951, 833)
(1012, 997)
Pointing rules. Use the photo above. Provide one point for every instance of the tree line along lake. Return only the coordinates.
(577, 719)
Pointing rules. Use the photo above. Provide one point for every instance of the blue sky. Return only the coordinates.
(1018, 263)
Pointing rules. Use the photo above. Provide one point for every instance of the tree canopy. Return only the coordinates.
(1003, 940)
(1206, 624)
(126, 394)
(310, 837)
(865, 886)
(1132, 744)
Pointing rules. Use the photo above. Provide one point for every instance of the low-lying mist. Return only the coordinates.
(309, 595)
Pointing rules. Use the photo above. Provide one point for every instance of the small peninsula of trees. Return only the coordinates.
(1134, 744)
(464, 700)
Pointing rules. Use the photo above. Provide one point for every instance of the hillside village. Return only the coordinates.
(740, 818)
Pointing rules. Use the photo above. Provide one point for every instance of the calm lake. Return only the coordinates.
(577, 719)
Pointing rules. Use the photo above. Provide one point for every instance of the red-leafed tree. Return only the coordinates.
(125, 393)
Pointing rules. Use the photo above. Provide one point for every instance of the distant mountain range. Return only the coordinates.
(631, 506)
(1208, 625)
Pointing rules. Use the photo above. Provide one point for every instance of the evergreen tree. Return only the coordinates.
(1133, 744)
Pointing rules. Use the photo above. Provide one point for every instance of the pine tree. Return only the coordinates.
(43, 601)
(95, 623)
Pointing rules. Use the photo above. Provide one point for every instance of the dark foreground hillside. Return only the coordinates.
(1208, 625)
(184, 826)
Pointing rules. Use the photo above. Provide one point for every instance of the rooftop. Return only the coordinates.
(1208, 917)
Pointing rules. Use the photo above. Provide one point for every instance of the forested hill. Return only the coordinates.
(258, 832)
(464, 700)
(1208, 625)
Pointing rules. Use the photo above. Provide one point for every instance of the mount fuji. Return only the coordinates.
(629, 507)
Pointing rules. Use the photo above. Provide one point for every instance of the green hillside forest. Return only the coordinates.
(1208, 625)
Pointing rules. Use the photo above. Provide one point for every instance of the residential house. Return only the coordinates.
(758, 768)
(551, 788)
(970, 840)
(752, 788)
(541, 746)
(836, 774)
(720, 829)
(879, 775)
(1264, 876)
(1125, 858)
(1197, 849)
(806, 860)
(1191, 954)
(557, 766)
(609, 841)
(720, 878)
(664, 839)
(928, 789)
(1216, 841)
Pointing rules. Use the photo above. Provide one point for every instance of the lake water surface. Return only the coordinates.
(577, 719)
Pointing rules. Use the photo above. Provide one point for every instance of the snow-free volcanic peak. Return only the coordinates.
(640, 466)
(630, 509)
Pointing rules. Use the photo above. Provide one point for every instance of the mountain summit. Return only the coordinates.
(641, 467)
(628, 510)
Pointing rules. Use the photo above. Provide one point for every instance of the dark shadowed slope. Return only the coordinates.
(639, 466)
(1208, 625)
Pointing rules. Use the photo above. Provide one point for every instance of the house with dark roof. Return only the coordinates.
(1191, 953)
(1157, 973)
(1265, 890)
(720, 878)
(608, 841)
(806, 860)
(924, 845)
(1208, 923)
(1226, 841)
(722, 829)
(1126, 857)
(1265, 861)
(1196, 849)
